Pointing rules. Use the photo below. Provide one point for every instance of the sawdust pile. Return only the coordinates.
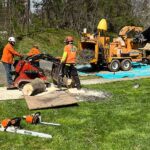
(88, 95)
(50, 89)
(81, 95)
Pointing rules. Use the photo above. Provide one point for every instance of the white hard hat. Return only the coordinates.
(11, 39)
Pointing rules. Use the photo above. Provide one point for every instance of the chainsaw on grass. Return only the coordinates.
(13, 126)
(36, 119)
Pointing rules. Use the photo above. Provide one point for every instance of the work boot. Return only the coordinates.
(10, 87)
(77, 83)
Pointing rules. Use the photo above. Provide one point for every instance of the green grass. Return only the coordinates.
(49, 41)
(121, 122)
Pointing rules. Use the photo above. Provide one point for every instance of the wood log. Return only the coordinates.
(34, 87)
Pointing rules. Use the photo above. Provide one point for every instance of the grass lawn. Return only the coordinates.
(121, 122)
(51, 41)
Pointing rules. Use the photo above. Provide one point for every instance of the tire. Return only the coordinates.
(126, 65)
(114, 66)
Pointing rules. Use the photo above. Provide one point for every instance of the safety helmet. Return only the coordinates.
(11, 39)
(69, 39)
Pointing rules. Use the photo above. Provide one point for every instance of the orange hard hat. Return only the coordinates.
(69, 39)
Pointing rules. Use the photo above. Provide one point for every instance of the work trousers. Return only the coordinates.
(8, 69)
(71, 71)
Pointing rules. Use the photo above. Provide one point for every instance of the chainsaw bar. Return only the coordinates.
(25, 132)
(51, 124)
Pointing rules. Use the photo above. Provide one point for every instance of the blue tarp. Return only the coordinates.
(138, 70)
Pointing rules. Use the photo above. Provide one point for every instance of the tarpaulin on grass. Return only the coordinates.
(138, 70)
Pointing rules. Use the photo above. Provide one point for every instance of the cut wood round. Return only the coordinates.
(34, 87)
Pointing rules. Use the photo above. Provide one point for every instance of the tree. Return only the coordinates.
(77, 14)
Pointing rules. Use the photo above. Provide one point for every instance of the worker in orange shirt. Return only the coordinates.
(7, 60)
(34, 51)
(69, 60)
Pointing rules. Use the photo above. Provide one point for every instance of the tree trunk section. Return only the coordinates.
(36, 86)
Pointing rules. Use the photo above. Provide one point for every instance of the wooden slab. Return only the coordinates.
(48, 100)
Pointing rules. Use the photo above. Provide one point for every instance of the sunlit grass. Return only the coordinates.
(121, 122)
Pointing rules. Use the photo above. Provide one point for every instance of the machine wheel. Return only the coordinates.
(126, 65)
(114, 66)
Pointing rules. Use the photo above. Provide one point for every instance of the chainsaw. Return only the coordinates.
(36, 119)
(13, 126)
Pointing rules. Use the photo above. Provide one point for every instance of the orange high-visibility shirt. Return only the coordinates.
(8, 54)
(71, 51)
(33, 51)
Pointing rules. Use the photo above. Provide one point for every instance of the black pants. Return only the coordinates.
(71, 72)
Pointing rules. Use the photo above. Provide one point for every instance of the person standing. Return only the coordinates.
(7, 59)
(69, 60)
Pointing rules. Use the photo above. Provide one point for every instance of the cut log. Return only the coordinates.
(34, 87)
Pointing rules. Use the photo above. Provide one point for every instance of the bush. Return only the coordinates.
(2, 44)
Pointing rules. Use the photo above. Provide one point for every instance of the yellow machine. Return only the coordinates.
(123, 50)
(95, 43)
(115, 55)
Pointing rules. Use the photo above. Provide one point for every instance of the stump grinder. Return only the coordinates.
(25, 70)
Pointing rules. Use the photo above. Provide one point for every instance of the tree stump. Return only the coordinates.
(34, 87)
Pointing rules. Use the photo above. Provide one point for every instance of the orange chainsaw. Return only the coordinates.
(36, 119)
(13, 126)
(15, 122)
